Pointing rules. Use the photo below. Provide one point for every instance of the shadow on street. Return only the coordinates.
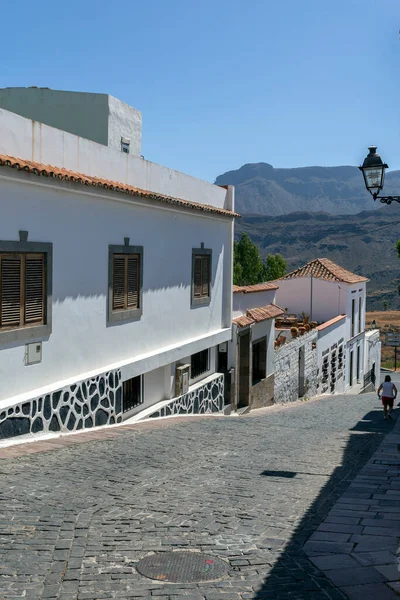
(293, 575)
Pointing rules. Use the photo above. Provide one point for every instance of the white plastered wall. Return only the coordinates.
(81, 225)
(31, 140)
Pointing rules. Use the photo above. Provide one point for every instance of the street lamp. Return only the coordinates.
(373, 170)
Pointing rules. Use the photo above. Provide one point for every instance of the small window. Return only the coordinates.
(201, 277)
(125, 282)
(259, 361)
(199, 364)
(132, 393)
(125, 145)
(359, 315)
(23, 290)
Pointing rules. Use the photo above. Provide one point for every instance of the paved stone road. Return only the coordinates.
(252, 490)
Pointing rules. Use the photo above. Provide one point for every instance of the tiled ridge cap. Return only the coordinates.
(40, 169)
(257, 287)
(324, 268)
(257, 315)
(330, 322)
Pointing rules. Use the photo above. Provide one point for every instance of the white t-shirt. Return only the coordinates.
(387, 389)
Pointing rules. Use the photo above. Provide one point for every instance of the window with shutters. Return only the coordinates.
(25, 290)
(22, 290)
(201, 277)
(125, 285)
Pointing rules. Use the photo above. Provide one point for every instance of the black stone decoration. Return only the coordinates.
(98, 399)
(205, 399)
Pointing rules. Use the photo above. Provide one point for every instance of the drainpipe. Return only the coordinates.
(311, 298)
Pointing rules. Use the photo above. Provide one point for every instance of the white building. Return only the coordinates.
(251, 352)
(114, 296)
(335, 299)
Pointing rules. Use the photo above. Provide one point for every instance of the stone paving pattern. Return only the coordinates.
(291, 497)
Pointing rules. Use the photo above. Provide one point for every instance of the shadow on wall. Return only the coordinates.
(168, 272)
(294, 575)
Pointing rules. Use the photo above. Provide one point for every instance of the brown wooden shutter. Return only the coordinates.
(197, 277)
(205, 276)
(133, 281)
(34, 289)
(119, 288)
(10, 298)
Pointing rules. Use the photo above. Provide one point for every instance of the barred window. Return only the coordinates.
(199, 364)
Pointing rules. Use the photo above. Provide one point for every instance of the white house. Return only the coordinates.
(251, 352)
(114, 297)
(335, 299)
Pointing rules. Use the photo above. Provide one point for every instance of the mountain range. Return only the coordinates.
(364, 244)
(262, 189)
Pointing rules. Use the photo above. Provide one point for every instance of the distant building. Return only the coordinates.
(114, 297)
(334, 300)
(251, 352)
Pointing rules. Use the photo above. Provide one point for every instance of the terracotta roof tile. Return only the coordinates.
(323, 268)
(258, 287)
(330, 322)
(39, 169)
(257, 315)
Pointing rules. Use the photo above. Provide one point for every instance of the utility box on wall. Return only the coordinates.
(33, 353)
(182, 380)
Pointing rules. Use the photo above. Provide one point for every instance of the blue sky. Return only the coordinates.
(221, 83)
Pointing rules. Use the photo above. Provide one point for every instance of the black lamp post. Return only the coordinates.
(373, 170)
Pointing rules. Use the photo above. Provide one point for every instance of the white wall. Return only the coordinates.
(355, 292)
(31, 140)
(81, 227)
(320, 299)
(97, 117)
(372, 353)
(124, 121)
(328, 341)
(355, 385)
(265, 329)
(244, 301)
(153, 387)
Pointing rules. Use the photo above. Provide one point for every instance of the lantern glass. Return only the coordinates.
(373, 170)
(374, 177)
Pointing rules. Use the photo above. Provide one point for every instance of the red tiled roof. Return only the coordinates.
(258, 287)
(323, 268)
(257, 315)
(39, 169)
(330, 322)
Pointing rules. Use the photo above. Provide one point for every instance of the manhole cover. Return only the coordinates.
(181, 567)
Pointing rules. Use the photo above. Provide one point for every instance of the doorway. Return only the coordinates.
(244, 370)
(301, 389)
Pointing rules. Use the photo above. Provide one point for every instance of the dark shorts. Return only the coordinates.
(386, 401)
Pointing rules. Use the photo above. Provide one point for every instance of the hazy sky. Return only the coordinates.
(224, 82)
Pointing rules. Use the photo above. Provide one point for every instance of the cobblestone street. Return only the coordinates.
(252, 490)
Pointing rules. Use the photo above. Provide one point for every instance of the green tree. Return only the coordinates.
(237, 266)
(248, 267)
(275, 267)
(398, 248)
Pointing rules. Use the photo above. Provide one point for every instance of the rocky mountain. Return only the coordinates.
(262, 189)
(363, 243)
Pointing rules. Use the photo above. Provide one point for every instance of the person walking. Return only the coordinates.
(389, 394)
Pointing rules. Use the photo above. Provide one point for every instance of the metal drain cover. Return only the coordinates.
(181, 567)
